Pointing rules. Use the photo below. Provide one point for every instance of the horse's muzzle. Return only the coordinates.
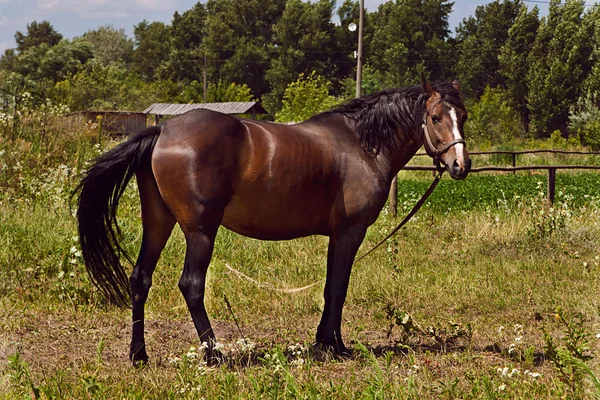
(456, 172)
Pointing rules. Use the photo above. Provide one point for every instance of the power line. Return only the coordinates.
(548, 2)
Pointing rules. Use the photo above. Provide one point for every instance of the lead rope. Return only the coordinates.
(400, 225)
(412, 212)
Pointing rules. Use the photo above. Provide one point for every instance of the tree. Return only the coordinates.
(8, 59)
(591, 21)
(152, 47)
(513, 59)
(492, 119)
(480, 39)
(307, 96)
(193, 92)
(44, 65)
(237, 34)
(304, 41)
(409, 37)
(111, 46)
(558, 62)
(102, 88)
(37, 34)
(186, 59)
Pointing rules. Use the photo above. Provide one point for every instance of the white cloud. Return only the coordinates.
(154, 4)
(98, 8)
(47, 4)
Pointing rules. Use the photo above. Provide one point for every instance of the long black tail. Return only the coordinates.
(99, 194)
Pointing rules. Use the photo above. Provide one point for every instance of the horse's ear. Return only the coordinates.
(456, 85)
(426, 86)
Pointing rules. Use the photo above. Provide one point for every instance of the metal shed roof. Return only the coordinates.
(249, 107)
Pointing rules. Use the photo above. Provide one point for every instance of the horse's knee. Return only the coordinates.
(192, 289)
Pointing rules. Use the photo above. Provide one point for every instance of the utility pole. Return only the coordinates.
(360, 49)
(204, 76)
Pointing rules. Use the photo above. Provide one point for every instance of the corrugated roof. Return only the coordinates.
(225, 108)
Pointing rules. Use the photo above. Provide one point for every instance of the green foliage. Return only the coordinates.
(306, 97)
(513, 58)
(304, 38)
(493, 120)
(558, 63)
(480, 39)
(38, 33)
(151, 48)
(584, 120)
(41, 67)
(370, 83)
(221, 92)
(236, 47)
(105, 88)
(193, 92)
(549, 220)
(571, 354)
(409, 37)
(186, 58)
(110, 46)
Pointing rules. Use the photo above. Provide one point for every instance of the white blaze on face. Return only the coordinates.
(460, 157)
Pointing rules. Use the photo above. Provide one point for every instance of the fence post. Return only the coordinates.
(514, 161)
(393, 196)
(551, 185)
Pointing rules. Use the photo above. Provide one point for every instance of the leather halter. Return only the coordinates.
(436, 152)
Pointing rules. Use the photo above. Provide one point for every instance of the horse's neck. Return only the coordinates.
(391, 161)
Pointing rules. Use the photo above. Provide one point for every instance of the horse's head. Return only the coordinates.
(443, 123)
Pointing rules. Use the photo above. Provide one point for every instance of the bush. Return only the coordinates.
(306, 97)
(492, 120)
(584, 121)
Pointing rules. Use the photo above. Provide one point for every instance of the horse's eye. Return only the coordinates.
(435, 119)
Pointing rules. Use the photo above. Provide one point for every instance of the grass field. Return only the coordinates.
(487, 293)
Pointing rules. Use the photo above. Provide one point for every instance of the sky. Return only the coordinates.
(73, 18)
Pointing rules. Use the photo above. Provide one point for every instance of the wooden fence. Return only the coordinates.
(393, 197)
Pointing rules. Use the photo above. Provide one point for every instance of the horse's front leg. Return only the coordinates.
(342, 250)
(192, 284)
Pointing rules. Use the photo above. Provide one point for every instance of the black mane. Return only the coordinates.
(379, 115)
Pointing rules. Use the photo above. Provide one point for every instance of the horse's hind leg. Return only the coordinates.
(200, 231)
(158, 224)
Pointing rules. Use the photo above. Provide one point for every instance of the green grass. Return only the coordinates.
(448, 308)
(481, 191)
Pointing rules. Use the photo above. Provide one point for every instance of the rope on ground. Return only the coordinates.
(269, 287)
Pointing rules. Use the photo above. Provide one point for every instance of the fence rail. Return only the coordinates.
(393, 197)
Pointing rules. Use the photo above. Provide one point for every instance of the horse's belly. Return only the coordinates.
(276, 218)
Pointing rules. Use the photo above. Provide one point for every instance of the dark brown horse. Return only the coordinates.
(329, 175)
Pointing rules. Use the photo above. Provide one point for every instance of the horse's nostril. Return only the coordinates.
(455, 167)
(468, 166)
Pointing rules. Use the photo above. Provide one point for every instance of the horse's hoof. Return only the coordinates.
(138, 357)
(328, 351)
(214, 358)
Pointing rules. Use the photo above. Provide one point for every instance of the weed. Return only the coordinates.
(441, 335)
(571, 352)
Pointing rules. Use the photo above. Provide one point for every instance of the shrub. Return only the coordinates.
(306, 97)
(584, 121)
(493, 120)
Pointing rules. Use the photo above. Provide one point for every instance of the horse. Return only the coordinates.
(329, 175)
